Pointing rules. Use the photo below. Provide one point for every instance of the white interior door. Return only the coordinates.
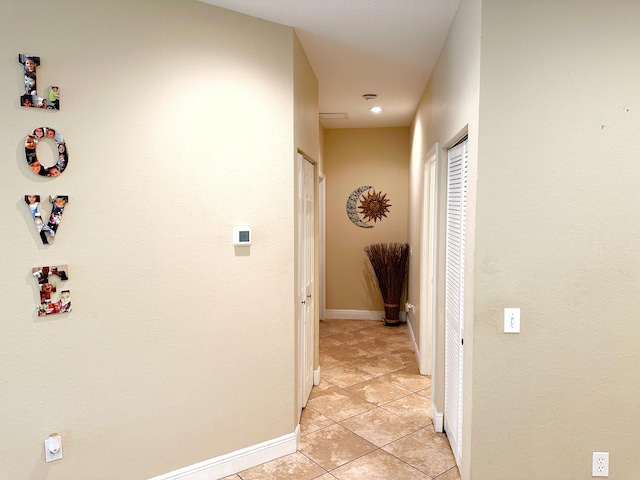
(306, 274)
(428, 262)
(454, 292)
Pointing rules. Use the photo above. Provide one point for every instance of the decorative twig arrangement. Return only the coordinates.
(390, 262)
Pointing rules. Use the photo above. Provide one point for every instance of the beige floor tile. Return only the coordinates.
(291, 467)
(334, 446)
(379, 365)
(339, 404)
(402, 355)
(317, 390)
(452, 474)
(330, 327)
(327, 361)
(378, 391)
(399, 344)
(385, 403)
(409, 378)
(378, 465)
(345, 375)
(426, 450)
(336, 327)
(352, 337)
(366, 323)
(413, 368)
(379, 426)
(380, 326)
(232, 477)
(376, 346)
(425, 393)
(310, 421)
(414, 408)
(395, 337)
(328, 342)
(345, 353)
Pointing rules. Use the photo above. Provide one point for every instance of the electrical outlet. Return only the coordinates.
(600, 464)
(53, 448)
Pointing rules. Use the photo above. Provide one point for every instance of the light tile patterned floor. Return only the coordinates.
(370, 416)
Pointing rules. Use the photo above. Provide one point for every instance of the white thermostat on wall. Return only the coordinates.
(241, 236)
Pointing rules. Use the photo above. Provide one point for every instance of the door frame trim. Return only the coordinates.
(428, 263)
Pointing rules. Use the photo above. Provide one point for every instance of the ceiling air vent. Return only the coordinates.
(334, 116)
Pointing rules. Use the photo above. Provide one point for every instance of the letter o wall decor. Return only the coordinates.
(30, 144)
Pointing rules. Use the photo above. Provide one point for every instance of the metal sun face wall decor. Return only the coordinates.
(54, 298)
(373, 206)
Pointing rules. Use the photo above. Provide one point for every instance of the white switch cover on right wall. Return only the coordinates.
(511, 320)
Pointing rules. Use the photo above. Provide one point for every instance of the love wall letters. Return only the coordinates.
(54, 298)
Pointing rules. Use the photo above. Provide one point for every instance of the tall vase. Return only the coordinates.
(391, 314)
(390, 262)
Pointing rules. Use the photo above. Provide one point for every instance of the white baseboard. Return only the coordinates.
(414, 346)
(316, 376)
(237, 461)
(354, 314)
(437, 417)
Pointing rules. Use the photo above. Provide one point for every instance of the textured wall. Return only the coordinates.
(554, 229)
(179, 121)
(353, 158)
(448, 109)
(307, 141)
(557, 235)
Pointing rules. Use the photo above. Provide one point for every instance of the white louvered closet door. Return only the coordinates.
(454, 290)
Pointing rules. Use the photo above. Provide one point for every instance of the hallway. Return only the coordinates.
(370, 416)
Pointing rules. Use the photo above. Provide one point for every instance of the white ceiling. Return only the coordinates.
(355, 47)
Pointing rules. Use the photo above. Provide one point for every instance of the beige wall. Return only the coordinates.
(553, 229)
(307, 142)
(353, 158)
(305, 88)
(556, 235)
(448, 109)
(179, 123)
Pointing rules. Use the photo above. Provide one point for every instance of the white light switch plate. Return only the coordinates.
(511, 320)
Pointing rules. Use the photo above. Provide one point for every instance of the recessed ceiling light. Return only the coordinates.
(375, 109)
(369, 96)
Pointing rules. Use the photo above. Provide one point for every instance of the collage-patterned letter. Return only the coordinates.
(47, 232)
(48, 280)
(30, 97)
(62, 153)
